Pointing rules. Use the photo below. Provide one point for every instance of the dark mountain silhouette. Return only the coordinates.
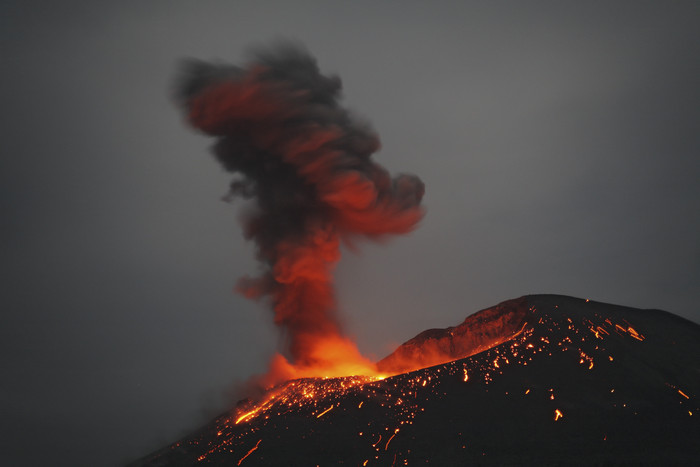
(542, 379)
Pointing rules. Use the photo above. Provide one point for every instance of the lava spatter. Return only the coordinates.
(527, 399)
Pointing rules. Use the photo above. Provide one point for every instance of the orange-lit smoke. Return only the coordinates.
(307, 163)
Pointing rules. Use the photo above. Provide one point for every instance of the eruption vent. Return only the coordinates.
(558, 381)
(307, 164)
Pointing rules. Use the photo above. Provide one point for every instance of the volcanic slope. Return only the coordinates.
(548, 379)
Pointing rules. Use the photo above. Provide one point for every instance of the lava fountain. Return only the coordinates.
(306, 163)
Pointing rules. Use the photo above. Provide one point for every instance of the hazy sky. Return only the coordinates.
(558, 143)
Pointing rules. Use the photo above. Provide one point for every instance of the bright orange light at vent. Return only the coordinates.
(307, 165)
(326, 398)
(329, 357)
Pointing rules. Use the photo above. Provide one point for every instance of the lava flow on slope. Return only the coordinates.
(564, 380)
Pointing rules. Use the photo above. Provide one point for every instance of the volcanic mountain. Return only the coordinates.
(542, 379)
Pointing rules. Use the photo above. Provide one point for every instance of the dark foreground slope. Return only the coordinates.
(579, 383)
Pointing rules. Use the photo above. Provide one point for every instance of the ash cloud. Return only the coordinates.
(307, 164)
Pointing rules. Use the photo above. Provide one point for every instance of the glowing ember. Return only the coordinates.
(386, 448)
(248, 415)
(250, 452)
(520, 349)
(324, 412)
(382, 412)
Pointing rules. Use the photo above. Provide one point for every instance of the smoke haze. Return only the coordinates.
(306, 161)
(558, 142)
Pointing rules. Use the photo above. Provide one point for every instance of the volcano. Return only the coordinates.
(542, 379)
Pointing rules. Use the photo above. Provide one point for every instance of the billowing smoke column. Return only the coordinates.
(307, 163)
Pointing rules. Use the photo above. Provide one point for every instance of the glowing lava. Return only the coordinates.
(306, 163)
(501, 402)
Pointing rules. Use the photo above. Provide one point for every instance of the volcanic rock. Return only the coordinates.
(547, 380)
(480, 331)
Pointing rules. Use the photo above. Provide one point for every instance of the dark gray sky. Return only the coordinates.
(558, 143)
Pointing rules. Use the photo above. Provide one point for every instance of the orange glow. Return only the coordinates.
(598, 331)
(389, 441)
(340, 200)
(683, 394)
(496, 329)
(327, 357)
(247, 415)
(630, 331)
(317, 397)
(324, 412)
(249, 452)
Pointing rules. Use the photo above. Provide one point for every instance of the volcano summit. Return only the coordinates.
(539, 379)
(543, 379)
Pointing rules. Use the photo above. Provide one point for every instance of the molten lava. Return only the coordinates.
(306, 161)
(552, 383)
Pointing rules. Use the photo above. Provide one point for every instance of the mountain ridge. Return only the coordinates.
(582, 382)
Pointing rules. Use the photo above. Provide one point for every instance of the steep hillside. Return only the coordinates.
(568, 381)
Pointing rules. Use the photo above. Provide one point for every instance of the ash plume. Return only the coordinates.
(306, 163)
